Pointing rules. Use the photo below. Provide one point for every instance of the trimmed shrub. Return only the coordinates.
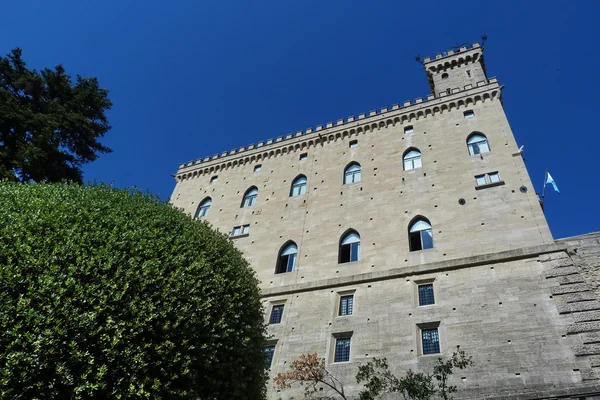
(112, 294)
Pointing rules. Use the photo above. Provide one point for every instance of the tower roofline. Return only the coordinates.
(463, 50)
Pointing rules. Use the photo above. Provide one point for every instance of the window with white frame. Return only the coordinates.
(298, 186)
(478, 144)
(352, 173)
(346, 306)
(286, 261)
(412, 160)
(469, 114)
(349, 247)
(257, 167)
(420, 235)
(487, 179)
(240, 230)
(250, 197)
(204, 207)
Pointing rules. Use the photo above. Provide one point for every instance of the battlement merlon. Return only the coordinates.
(420, 107)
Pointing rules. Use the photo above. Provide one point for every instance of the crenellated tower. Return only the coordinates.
(455, 69)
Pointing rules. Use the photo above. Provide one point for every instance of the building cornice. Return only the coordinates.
(353, 125)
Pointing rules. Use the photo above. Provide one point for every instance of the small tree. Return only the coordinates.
(309, 371)
(414, 385)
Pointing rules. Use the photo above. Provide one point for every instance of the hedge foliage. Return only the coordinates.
(112, 294)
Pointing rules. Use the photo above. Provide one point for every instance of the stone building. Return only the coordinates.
(404, 232)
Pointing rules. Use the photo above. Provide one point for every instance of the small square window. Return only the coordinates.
(213, 179)
(480, 179)
(408, 129)
(269, 353)
(494, 177)
(257, 168)
(303, 156)
(431, 341)
(240, 230)
(353, 143)
(276, 314)
(346, 305)
(342, 349)
(426, 296)
(469, 114)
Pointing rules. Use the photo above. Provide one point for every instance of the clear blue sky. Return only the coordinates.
(194, 78)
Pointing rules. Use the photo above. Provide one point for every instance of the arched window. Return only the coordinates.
(444, 75)
(412, 159)
(420, 236)
(477, 144)
(349, 247)
(298, 186)
(203, 207)
(286, 261)
(352, 173)
(250, 197)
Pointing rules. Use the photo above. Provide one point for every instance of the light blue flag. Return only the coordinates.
(549, 180)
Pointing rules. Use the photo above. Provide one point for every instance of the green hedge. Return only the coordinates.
(112, 294)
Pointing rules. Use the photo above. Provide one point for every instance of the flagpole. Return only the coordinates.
(544, 189)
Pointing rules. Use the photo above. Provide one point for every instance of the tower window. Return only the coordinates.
(469, 114)
(349, 247)
(250, 197)
(468, 73)
(412, 160)
(276, 314)
(426, 296)
(269, 353)
(477, 144)
(420, 235)
(303, 156)
(408, 129)
(342, 349)
(487, 179)
(353, 143)
(257, 168)
(346, 305)
(298, 186)
(240, 230)
(204, 207)
(286, 262)
(431, 341)
(213, 179)
(352, 173)
(444, 75)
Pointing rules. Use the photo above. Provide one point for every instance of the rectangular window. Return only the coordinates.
(408, 129)
(426, 296)
(257, 168)
(487, 179)
(468, 73)
(469, 114)
(269, 353)
(494, 177)
(240, 230)
(346, 304)
(303, 156)
(276, 314)
(342, 350)
(353, 143)
(214, 179)
(431, 341)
